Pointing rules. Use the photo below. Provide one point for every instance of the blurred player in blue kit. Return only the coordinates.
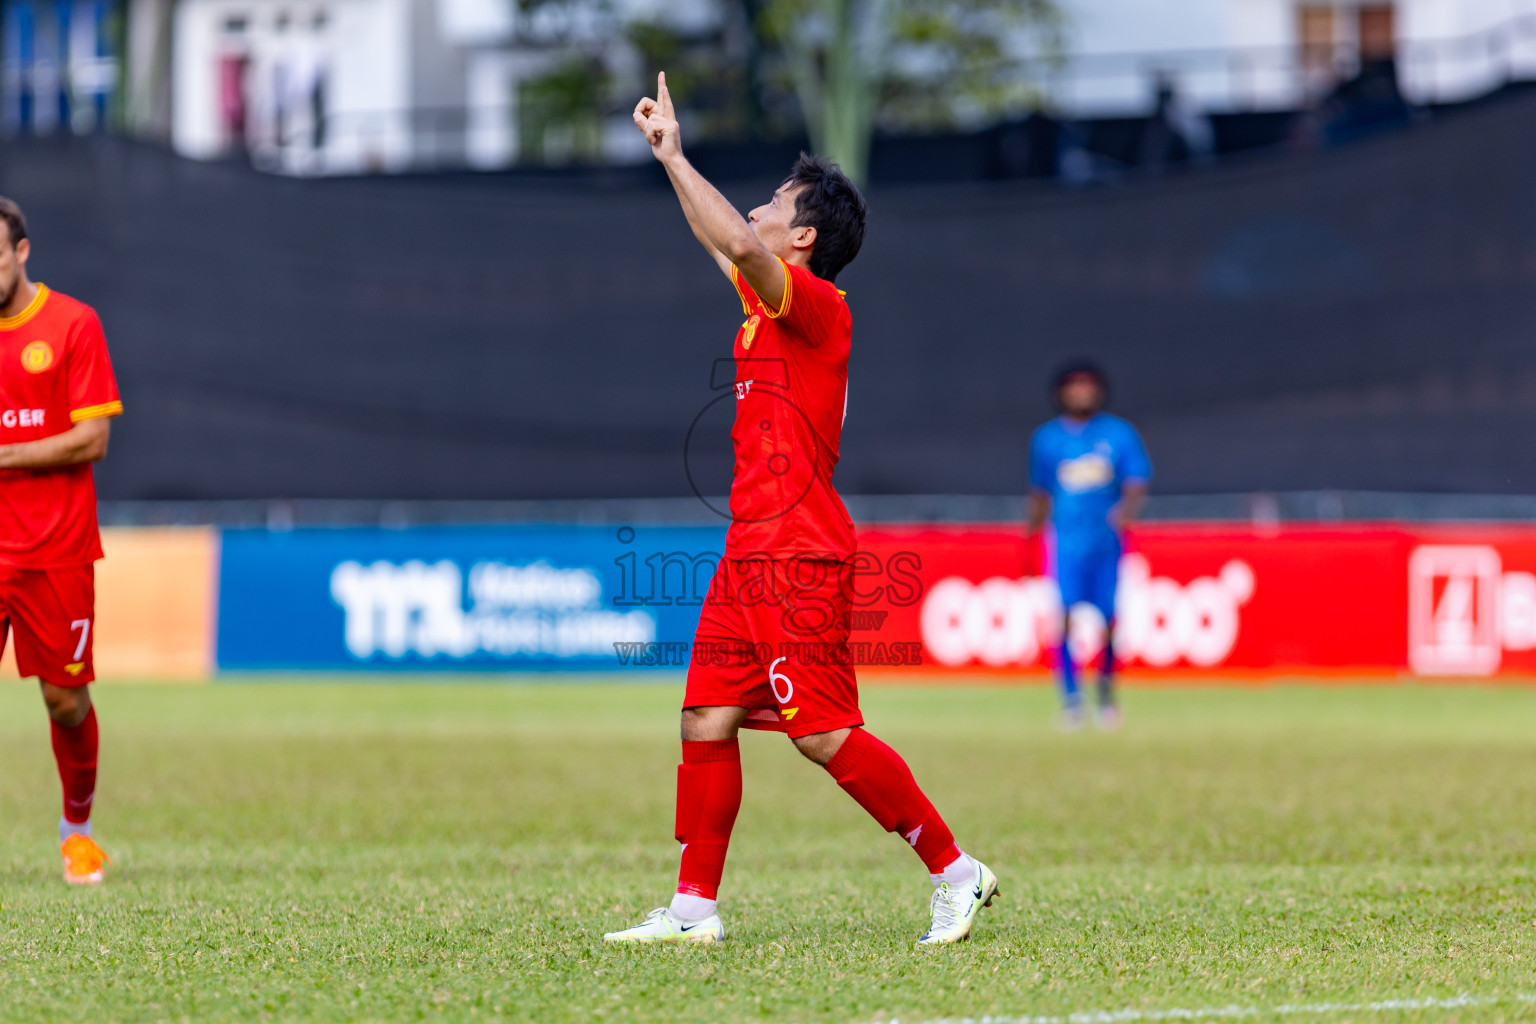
(1088, 474)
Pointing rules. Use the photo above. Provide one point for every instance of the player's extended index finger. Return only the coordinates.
(663, 97)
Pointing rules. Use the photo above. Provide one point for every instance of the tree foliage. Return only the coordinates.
(907, 64)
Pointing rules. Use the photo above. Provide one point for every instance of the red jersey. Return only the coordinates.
(791, 396)
(54, 372)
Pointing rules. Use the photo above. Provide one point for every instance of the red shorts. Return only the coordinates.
(52, 613)
(773, 638)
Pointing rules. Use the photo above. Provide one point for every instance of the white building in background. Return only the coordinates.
(349, 86)
(1234, 55)
(311, 86)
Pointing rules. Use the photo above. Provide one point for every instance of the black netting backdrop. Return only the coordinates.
(1362, 318)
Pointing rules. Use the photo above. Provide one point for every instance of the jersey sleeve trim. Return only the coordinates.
(736, 283)
(789, 293)
(96, 412)
(33, 308)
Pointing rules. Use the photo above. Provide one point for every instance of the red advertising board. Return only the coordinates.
(1374, 599)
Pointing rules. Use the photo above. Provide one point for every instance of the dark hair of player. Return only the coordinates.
(1079, 368)
(830, 203)
(14, 220)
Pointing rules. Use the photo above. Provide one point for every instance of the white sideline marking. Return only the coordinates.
(1222, 1012)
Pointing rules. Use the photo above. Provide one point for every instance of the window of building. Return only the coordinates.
(1338, 40)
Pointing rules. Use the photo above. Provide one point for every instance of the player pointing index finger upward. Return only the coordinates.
(770, 651)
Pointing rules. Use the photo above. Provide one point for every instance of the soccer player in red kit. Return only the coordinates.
(57, 397)
(770, 650)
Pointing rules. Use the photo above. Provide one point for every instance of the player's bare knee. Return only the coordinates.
(67, 706)
(821, 747)
(710, 723)
(692, 724)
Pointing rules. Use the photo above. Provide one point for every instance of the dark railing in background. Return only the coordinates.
(1262, 509)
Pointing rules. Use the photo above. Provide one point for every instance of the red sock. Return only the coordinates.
(708, 797)
(876, 776)
(75, 751)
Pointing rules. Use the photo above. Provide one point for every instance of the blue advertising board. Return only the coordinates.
(478, 598)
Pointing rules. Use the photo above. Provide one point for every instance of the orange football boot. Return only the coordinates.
(83, 860)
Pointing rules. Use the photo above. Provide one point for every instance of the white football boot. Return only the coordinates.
(955, 907)
(661, 926)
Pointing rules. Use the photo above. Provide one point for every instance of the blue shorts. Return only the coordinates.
(1088, 577)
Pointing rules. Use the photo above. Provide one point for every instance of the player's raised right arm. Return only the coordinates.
(657, 120)
(721, 260)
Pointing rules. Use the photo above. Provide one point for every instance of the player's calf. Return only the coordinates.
(76, 741)
(877, 777)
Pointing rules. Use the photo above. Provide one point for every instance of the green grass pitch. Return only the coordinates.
(441, 850)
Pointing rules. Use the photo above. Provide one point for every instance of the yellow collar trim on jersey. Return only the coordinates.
(789, 294)
(13, 322)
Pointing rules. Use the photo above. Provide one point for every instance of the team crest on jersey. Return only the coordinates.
(749, 331)
(1087, 472)
(37, 357)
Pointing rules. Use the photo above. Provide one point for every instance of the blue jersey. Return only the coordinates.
(1084, 467)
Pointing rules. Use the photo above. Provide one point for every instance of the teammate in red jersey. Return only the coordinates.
(57, 398)
(770, 651)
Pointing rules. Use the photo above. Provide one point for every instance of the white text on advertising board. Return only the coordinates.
(1158, 621)
(527, 611)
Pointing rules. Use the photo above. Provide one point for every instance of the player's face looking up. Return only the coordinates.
(1081, 395)
(827, 202)
(774, 225)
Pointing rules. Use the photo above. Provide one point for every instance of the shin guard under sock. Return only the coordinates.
(876, 776)
(708, 797)
(74, 749)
